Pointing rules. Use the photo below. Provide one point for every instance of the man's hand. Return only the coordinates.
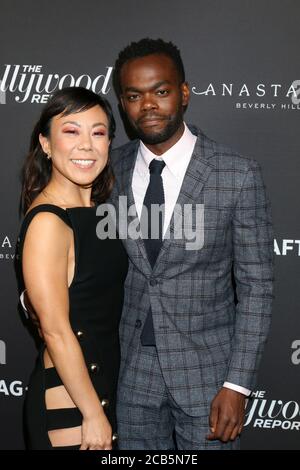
(226, 417)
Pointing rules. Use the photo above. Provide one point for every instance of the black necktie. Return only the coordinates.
(153, 225)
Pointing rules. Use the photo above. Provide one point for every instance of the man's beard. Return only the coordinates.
(158, 137)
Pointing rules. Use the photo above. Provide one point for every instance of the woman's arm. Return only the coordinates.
(45, 270)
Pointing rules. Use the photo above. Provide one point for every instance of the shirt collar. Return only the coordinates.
(176, 158)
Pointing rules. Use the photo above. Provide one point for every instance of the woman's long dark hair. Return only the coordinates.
(37, 168)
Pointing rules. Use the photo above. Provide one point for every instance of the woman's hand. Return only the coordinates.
(96, 433)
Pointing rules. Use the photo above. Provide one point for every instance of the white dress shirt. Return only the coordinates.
(176, 159)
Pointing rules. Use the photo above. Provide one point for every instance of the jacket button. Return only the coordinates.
(104, 402)
(79, 334)
(138, 324)
(94, 368)
(153, 282)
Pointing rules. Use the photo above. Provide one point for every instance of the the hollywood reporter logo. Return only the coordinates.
(30, 83)
(2, 94)
(188, 223)
(272, 414)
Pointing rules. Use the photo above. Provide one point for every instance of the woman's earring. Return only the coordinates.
(49, 157)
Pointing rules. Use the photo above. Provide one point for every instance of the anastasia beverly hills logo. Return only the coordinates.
(258, 96)
(34, 84)
(6, 248)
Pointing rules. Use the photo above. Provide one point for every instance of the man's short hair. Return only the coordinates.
(143, 48)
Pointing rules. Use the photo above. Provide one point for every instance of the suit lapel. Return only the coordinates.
(128, 164)
(196, 175)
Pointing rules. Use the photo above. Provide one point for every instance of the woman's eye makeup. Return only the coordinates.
(70, 131)
(98, 132)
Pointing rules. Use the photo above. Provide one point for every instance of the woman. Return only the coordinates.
(73, 280)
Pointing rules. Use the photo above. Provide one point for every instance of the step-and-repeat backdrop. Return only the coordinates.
(242, 64)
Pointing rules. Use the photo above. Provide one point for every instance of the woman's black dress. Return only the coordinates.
(96, 298)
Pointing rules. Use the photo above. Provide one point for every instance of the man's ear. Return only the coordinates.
(122, 102)
(44, 144)
(185, 91)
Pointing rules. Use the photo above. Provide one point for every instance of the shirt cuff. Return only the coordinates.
(237, 388)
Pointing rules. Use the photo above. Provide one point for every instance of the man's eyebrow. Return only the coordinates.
(156, 85)
(78, 125)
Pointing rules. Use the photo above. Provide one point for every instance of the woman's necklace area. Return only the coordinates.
(61, 202)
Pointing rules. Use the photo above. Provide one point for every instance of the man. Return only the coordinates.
(189, 353)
